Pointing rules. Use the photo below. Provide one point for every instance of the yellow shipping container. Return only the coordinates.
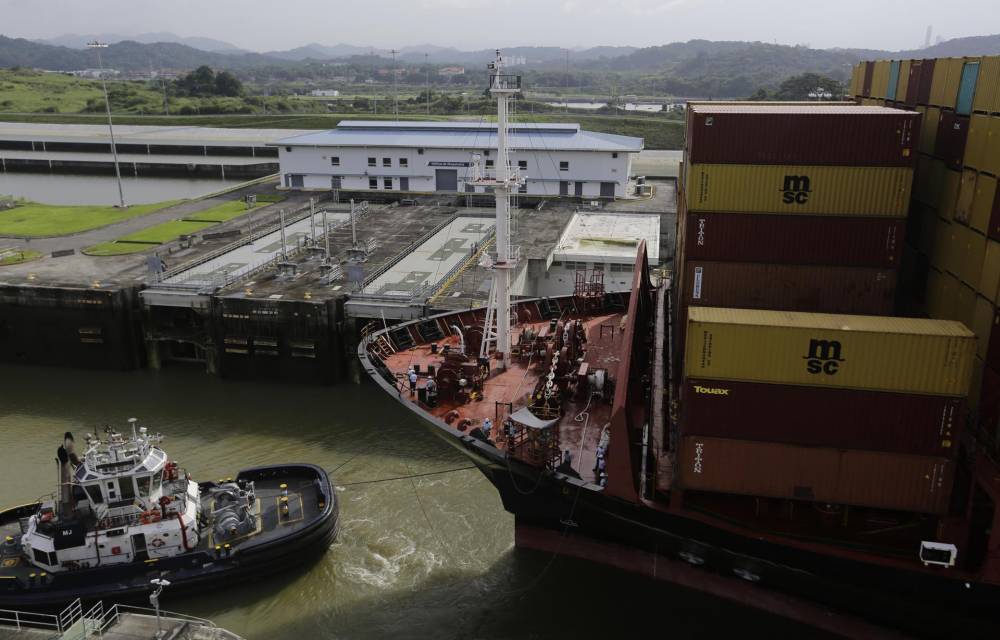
(975, 145)
(951, 188)
(816, 190)
(988, 87)
(982, 203)
(982, 324)
(944, 85)
(948, 299)
(965, 254)
(907, 355)
(966, 192)
(880, 79)
(928, 129)
(989, 281)
(991, 154)
(904, 80)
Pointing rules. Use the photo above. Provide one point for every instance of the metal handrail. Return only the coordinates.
(30, 619)
(115, 612)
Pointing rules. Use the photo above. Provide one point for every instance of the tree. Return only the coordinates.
(226, 84)
(799, 87)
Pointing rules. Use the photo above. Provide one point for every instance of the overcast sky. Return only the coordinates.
(471, 24)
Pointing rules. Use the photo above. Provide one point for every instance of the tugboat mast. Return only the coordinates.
(504, 87)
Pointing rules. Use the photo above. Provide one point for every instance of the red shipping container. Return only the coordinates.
(816, 474)
(774, 238)
(866, 84)
(952, 133)
(926, 79)
(783, 287)
(822, 417)
(802, 135)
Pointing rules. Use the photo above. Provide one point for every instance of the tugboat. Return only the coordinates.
(125, 514)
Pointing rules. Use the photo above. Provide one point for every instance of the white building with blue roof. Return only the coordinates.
(402, 156)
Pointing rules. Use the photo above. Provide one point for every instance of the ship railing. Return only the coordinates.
(115, 613)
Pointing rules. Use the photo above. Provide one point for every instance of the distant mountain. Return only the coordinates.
(315, 51)
(125, 56)
(79, 41)
(958, 47)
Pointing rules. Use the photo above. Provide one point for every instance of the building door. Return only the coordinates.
(607, 189)
(404, 184)
(578, 191)
(296, 181)
(139, 546)
(563, 188)
(446, 179)
(337, 182)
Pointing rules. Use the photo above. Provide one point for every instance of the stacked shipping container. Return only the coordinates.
(952, 261)
(838, 397)
(801, 208)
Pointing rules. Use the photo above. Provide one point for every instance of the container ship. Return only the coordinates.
(797, 416)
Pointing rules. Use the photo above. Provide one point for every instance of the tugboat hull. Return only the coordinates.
(287, 545)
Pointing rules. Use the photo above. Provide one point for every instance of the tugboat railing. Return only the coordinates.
(114, 614)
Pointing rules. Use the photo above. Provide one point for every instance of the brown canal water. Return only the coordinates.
(428, 557)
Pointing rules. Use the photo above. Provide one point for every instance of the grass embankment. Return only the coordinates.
(18, 256)
(658, 132)
(36, 220)
(168, 231)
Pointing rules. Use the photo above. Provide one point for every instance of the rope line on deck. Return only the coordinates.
(407, 477)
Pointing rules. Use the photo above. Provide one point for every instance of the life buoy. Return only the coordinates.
(450, 417)
(157, 542)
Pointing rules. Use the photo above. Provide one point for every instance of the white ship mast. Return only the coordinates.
(506, 180)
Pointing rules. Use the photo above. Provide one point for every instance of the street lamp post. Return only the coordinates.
(154, 599)
(111, 130)
(395, 99)
(427, 71)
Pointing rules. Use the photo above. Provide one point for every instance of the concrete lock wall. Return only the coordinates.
(88, 328)
(315, 167)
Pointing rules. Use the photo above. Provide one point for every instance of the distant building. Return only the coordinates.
(94, 73)
(324, 93)
(555, 159)
(451, 71)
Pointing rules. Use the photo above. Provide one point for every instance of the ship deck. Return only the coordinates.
(504, 392)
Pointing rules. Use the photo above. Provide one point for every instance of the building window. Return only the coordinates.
(564, 166)
(386, 162)
(598, 266)
(522, 164)
(373, 183)
(335, 161)
(420, 152)
(387, 183)
(403, 163)
(614, 155)
(371, 162)
(489, 164)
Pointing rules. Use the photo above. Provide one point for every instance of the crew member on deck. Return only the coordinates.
(412, 375)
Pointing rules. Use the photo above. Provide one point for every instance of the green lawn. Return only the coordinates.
(219, 213)
(166, 232)
(19, 257)
(148, 238)
(35, 219)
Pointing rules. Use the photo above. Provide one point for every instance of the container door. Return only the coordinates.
(890, 91)
(967, 88)
(446, 179)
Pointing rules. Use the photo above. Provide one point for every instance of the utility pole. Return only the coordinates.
(427, 71)
(566, 85)
(111, 130)
(395, 100)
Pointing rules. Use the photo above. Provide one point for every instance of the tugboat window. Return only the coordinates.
(143, 484)
(41, 556)
(112, 494)
(156, 479)
(127, 488)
